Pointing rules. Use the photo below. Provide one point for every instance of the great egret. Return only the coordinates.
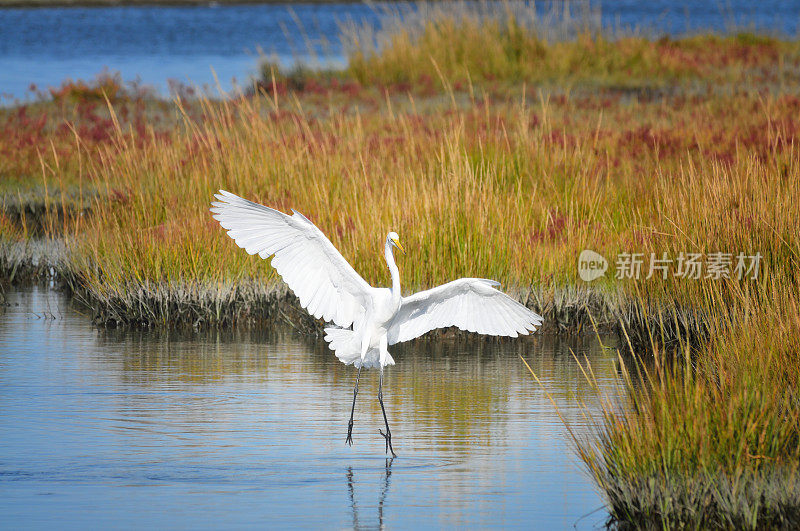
(367, 320)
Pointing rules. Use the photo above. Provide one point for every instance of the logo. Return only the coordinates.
(591, 265)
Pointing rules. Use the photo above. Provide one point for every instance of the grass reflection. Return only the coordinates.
(453, 393)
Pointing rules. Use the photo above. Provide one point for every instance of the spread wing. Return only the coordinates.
(471, 304)
(327, 286)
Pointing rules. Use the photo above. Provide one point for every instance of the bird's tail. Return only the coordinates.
(346, 345)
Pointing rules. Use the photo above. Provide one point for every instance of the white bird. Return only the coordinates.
(367, 320)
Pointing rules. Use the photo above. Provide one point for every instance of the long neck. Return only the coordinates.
(394, 271)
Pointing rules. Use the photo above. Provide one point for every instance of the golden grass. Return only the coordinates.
(710, 435)
(512, 42)
(511, 190)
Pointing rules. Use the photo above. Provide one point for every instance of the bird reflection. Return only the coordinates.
(351, 483)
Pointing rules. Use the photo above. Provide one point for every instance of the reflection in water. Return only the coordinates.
(357, 522)
(386, 476)
(447, 387)
(233, 428)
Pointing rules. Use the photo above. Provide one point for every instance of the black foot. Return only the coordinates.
(388, 437)
(349, 439)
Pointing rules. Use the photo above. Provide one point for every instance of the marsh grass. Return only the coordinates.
(450, 182)
(708, 435)
(33, 260)
(466, 43)
(549, 175)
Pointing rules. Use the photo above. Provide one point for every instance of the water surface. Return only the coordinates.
(104, 428)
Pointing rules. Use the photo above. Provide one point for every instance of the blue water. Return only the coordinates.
(45, 46)
(220, 430)
(188, 44)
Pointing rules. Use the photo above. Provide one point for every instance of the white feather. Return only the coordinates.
(298, 246)
(466, 303)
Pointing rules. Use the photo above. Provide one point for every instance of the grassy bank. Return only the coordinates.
(497, 150)
(711, 439)
(509, 43)
(510, 184)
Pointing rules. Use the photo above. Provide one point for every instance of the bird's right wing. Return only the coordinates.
(327, 286)
(471, 304)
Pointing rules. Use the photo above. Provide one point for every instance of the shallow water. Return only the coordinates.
(45, 46)
(106, 428)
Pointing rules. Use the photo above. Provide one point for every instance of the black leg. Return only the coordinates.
(349, 439)
(388, 434)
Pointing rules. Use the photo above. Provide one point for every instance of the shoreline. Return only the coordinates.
(248, 303)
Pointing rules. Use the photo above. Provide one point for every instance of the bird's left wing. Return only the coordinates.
(327, 286)
(471, 304)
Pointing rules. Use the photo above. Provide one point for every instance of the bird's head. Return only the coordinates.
(394, 239)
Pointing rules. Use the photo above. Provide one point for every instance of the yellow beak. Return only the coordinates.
(397, 243)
